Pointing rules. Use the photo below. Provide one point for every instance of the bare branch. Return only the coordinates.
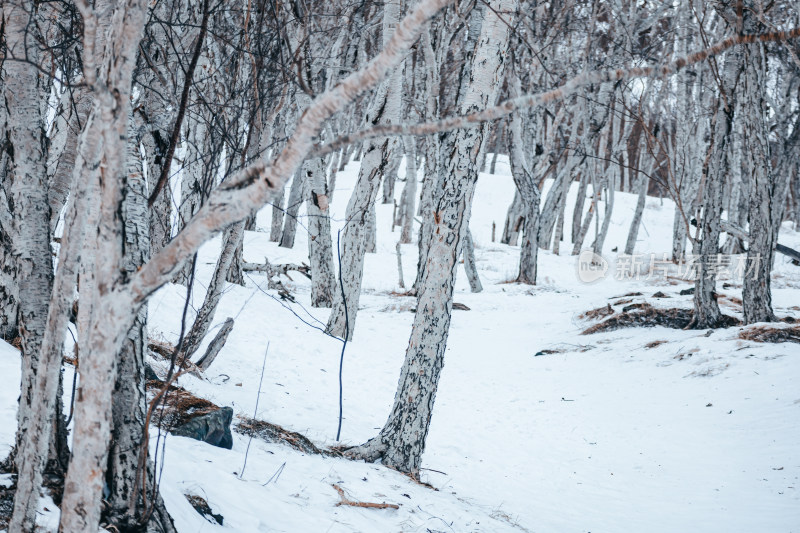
(570, 87)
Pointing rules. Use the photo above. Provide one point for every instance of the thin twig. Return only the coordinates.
(255, 411)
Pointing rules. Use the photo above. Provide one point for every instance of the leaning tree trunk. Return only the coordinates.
(292, 209)
(353, 243)
(402, 440)
(65, 164)
(470, 265)
(358, 236)
(231, 237)
(515, 217)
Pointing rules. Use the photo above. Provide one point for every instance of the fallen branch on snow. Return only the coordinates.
(367, 505)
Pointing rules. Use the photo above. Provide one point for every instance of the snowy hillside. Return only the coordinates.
(699, 432)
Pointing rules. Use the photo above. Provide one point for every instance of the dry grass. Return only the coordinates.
(654, 344)
(770, 334)
(275, 433)
(180, 405)
(600, 312)
(732, 301)
(643, 316)
(161, 348)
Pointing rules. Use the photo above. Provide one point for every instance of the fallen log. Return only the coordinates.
(740, 233)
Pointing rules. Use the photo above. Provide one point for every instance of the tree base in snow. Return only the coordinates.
(644, 315)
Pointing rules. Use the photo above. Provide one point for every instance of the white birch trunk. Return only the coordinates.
(764, 205)
(402, 440)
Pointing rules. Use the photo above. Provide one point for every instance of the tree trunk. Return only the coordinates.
(354, 241)
(402, 440)
(320, 246)
(528, 190)
(409, 192)
(205, 315)
(515, 218)
(468, 254)
(706, 310)
(128, 412)
(763, 199)
(292, 209)
(358, 236)
(633, 233)
(31, 264)
(93, 399)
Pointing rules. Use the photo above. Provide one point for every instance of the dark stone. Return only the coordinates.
(150, 374)
(687, 292)
(213, 428)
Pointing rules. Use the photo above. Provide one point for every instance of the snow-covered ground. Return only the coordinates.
(700, 433)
